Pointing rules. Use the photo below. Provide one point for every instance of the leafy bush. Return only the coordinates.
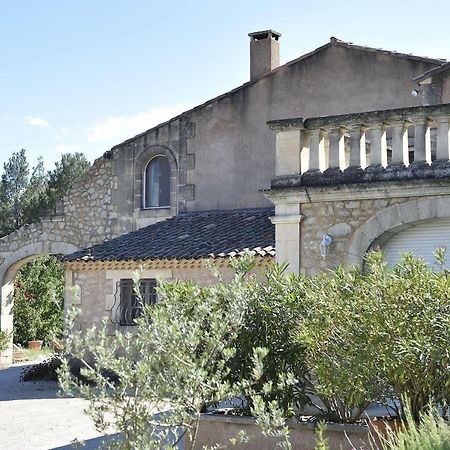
(269, 322)
(4, 340)
(38, 301)
(174, 367)
(431, 432)
(374, 334)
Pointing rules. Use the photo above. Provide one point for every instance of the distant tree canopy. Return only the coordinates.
(26, 195)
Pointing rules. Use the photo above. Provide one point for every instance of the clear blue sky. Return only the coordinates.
(85, 75)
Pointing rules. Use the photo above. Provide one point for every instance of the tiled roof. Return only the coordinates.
(191, 236)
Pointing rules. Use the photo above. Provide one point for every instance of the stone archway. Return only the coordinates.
(390, 221)
(17, 249)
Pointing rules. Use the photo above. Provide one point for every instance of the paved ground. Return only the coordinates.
(33, 417)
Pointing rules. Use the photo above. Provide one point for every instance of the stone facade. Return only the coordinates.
(96, 288)
(362, 195)
(221, 153)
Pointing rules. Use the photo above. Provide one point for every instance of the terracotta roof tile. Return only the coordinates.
(207, 234)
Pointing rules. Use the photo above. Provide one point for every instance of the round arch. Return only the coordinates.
(8, 271)
(389, 221)
(142, 160)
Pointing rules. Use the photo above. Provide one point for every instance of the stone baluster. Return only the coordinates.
(358, 146)
(304, 151)
(317, 160)
(400, 153)
(443, 147)
(378, 147)
(337, 148)
(422, 141)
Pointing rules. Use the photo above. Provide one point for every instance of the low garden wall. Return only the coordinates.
(219, 429)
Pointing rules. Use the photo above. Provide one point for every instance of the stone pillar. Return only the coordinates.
(358, 146)
(422, 141)
(317, 159)
(337, 148)
(6, 317)
(443, 134)
(292, 152)
(287, 235)
(378, 147)
(400, 153)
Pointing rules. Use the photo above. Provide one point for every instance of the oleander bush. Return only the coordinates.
(376, 333)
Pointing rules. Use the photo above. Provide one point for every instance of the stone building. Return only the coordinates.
(328, 171)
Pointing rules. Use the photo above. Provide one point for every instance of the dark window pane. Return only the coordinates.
(157, 183)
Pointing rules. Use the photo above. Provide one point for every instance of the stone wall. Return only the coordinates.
(96, 288)
(357, 217)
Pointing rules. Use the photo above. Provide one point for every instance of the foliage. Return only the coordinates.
(338, 326)
(38, 301)
(430, 432)
(269, 323)
(66, 172)
(13, 185)
(377, 333)
(174, 367)
(5, 339)
(24, 198)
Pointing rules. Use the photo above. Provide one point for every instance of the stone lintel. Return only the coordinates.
(367, 118)
(292, 218)
(286, 124)
(380, 190)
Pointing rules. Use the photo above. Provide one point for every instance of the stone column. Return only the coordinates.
(287, 152)
(287, 235)
(6, 317)
(358, 146)
(443, 134)
(378, 147)
(400, 153)
(337, 148)
(317, 159)
(422, 141)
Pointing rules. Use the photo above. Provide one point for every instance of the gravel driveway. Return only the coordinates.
(32, 416)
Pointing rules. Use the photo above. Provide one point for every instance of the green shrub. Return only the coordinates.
(431, 432)
(38, 301)
(339, 330)
(177, 362)
(269, 323)
(376, 333)
(4, 340)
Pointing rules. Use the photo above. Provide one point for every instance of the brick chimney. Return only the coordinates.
(264, 53)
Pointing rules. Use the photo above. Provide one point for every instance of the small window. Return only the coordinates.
(127, 305)
(157, 183)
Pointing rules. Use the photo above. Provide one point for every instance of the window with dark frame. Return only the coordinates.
(157, 183)
(127, 305)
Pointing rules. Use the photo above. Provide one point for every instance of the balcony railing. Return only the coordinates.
(369, 146)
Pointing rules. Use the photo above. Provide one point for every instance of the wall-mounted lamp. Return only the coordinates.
(325, 245)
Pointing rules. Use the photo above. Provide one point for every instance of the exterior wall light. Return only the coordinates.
(325, 245)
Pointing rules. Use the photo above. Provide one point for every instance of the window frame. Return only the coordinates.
(145, 180)
(124, 312)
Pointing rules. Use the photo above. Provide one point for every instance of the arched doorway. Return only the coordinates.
(427, 214)
(421, 238)
(8, 271)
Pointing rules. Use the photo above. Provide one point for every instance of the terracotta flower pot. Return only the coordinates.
(35, 345)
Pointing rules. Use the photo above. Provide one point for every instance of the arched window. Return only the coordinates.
(157, 183)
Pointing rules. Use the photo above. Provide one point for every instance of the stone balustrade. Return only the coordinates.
(404, 143)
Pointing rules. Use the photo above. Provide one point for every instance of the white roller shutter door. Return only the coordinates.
(421, 239)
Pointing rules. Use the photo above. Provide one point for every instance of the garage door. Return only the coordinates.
(420, 239)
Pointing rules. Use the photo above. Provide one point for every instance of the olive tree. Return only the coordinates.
(153, 385)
